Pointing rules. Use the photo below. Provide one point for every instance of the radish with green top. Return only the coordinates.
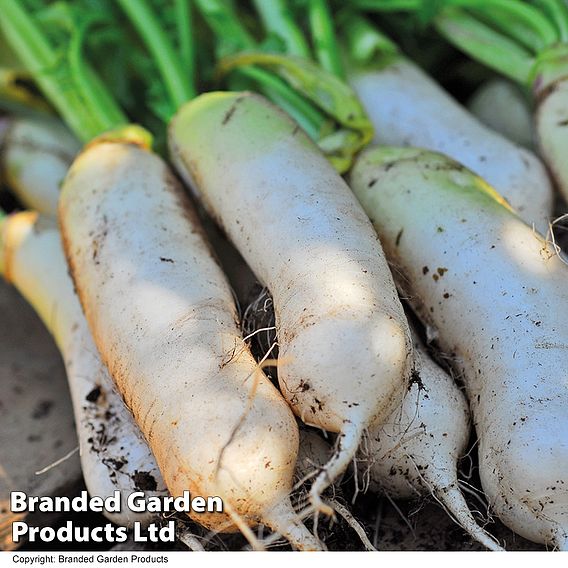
(523, 41)
(533, 50)
(492, 291)
(344, 343)
(114, 455)
(408, 108)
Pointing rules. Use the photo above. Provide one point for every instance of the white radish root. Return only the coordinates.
(163, 318)
(415, 453)
(343, 337)
(407, 108)
(494, 291)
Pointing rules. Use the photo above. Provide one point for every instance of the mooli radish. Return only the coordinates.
(344, 345)
(523, 41)
(163, 318)
(493, 292)
(408, 108)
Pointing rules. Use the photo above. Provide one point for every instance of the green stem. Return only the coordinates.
(231, 35)
(557, 11)
(87, 118)
(277, 19)
(234, 38)
(177, 82)
(364, 41)
(83, 80)
(514, 29)
(305, 114)
(324, 38)
(508, 15)
(485, 44)
(387, 5)
(184, 27)
(514, 17)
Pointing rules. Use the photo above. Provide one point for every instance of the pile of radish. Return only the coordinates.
(187, 177)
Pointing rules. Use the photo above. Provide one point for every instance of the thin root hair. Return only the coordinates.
(401, 514)
(550, 239)
(353, 523)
